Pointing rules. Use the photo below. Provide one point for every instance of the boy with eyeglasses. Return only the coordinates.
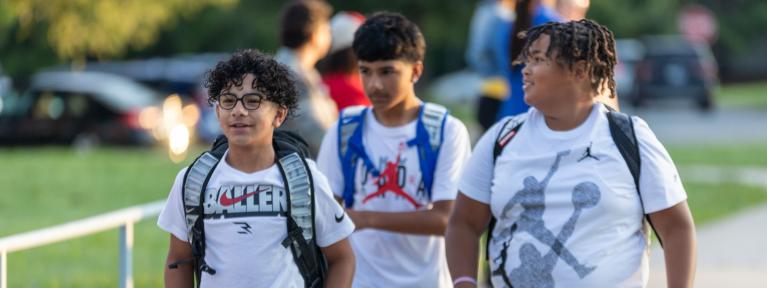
(246, 202)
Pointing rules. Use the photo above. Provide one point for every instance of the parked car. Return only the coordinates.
(630, 51)
(65, 107)
(673, 67)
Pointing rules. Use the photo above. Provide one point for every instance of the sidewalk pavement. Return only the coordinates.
(731, 251)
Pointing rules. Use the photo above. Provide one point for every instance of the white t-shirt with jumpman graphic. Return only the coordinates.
(568, 210)
(389, 259)
(245, 225)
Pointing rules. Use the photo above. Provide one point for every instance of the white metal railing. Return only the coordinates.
(122, 219)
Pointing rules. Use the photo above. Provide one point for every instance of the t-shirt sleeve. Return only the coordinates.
(478, 173)
(453, 154)
(171, 218)
(331, 221)
(328, 162)
(659, 182)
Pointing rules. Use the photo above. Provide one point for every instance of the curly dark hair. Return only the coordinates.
(271, 78)
(389, 36)
(582, 40)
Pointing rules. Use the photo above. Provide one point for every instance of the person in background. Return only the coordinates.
(339, 69)
(529, 13)
(305, 39)
(484, 55)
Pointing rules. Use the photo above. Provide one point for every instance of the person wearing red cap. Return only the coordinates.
(339, 68)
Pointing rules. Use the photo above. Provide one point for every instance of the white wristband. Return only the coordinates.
(466, 279)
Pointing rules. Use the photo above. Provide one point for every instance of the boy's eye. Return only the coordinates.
(227, 99)
(252, 99)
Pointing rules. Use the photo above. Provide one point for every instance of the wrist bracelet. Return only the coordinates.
(466, 279)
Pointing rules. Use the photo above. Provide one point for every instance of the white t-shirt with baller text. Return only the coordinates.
(245, 224)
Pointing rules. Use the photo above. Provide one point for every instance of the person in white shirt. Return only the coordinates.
(395, 166)
(245, 203)
(569, 212)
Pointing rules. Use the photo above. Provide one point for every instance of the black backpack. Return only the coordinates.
(622, 132)
(291, 150)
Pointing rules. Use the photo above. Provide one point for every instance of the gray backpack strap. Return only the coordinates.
(195, 181)
(193, 188)
(301, 237)
(433, 119)
(299, 189)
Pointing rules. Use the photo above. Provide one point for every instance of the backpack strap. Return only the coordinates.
(624, 136)
(350, 148)
(299, 190)
(509, 129)
(301, 237)
(192, 192)
(429, 135)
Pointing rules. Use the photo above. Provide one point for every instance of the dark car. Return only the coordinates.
(78, 107)
(673, 67)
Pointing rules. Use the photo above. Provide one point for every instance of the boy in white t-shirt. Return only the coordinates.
(246, 207)
(569, 213)
(398, 164)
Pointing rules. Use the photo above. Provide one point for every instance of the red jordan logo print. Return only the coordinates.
(390, 178)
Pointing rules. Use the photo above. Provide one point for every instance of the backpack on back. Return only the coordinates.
(622, 132)
(290, 150)
(428, 140)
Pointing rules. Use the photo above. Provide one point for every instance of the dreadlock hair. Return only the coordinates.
(582, 40)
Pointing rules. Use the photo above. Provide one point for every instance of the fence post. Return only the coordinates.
(3, 268)
(126, 252)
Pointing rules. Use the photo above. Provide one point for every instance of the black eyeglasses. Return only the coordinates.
(251, 101)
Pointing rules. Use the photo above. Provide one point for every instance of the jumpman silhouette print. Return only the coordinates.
(587, 154)
(390, 179)
(532, 200)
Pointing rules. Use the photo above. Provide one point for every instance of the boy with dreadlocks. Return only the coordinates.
(567, 193)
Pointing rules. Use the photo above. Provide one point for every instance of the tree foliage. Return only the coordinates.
(77, 29)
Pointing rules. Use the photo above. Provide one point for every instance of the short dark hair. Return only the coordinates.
(271, 78)
(341, 61)
(582, 40)
(299, 19)
(389, 36)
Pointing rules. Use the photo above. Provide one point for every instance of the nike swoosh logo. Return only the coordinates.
(226, 201)
(339, 219)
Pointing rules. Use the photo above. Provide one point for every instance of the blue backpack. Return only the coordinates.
(428, 139)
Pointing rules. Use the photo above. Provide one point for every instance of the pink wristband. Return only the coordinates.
(463, 279)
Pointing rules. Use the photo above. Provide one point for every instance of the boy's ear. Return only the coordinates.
(279, 117)
(417, 71)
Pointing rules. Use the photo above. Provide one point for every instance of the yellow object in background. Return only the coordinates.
(495, 88)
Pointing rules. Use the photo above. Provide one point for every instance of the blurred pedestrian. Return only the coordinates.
(569, 213)
(484, 55)
(339, 68)
(529, 13)
(305, 39)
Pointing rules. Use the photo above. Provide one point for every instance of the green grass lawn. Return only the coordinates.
(44, 187)
(49, 186)
(742, 95)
